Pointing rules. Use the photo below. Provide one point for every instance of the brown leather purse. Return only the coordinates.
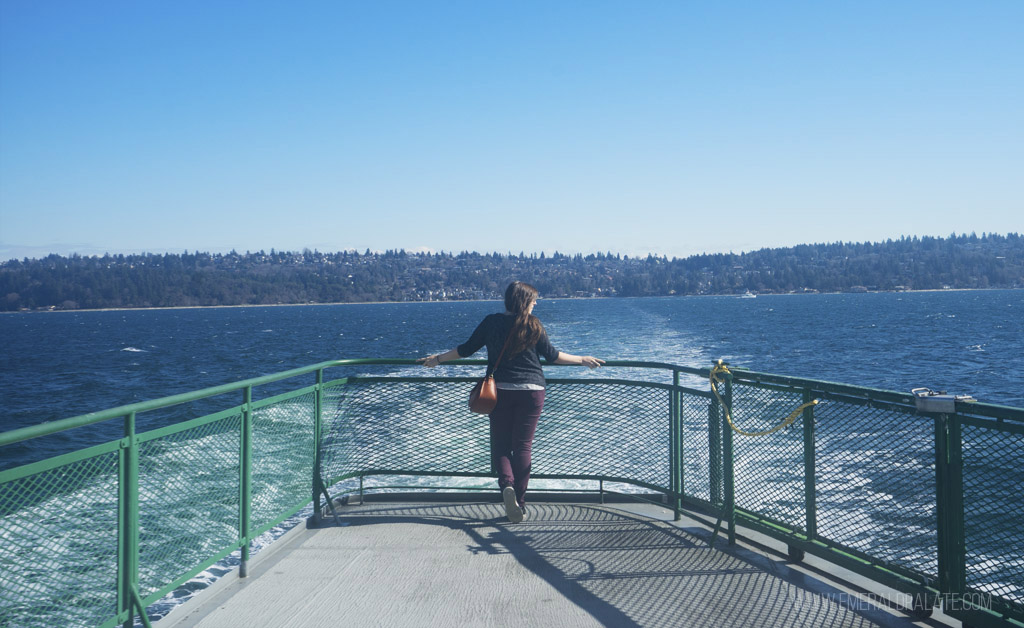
(484, 395)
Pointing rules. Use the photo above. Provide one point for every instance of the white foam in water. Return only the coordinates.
(134, 350)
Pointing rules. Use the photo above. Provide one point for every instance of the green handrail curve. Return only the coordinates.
(52, 427)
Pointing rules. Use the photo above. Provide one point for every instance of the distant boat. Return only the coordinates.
(748, 295)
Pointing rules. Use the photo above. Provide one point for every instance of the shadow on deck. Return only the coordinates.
(568, 564)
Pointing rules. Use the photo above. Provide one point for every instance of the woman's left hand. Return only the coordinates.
(591, 362)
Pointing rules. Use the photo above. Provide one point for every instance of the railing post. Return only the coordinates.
(128, 524)
(715, 454)
(245, 484)
(727, 455)
(810, 469)
(317, 427)
(676, 446)
(949, 487)
(957, 536)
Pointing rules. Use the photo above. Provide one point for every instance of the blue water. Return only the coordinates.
(61, 364)
(56, 365)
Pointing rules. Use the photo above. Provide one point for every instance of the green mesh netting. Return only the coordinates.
(876, 483)
(702, 450)
(58, 545)
(188, 500)
(610, 430)
(587, 429)
(420, 427)
(993, 511)
(769, 470)
(283, 455)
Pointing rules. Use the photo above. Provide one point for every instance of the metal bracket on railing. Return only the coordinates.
(928, 400)
(137, 599)
(330, 503)
(714, 532)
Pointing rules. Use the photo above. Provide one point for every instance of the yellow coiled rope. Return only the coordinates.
(714, 378)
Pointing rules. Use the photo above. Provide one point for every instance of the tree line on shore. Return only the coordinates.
(204, 279)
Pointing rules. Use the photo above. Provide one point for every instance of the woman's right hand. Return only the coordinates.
(435, 359)
(430, 361)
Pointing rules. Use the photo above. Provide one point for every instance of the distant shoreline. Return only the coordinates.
(130, 282)
(243, 305)
(659, 296)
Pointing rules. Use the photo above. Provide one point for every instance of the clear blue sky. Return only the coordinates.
(666, 127)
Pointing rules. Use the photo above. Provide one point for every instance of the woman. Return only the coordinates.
(519, 338)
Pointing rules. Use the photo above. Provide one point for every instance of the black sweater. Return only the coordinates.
(523, 368)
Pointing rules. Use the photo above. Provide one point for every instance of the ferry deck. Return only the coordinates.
(454, 560)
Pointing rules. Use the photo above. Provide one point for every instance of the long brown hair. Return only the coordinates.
(526, 329)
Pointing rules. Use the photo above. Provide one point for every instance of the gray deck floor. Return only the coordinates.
(463, 564)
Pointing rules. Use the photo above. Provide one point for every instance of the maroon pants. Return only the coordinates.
(513, 424)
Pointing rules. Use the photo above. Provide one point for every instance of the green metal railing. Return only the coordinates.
(928, 504)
